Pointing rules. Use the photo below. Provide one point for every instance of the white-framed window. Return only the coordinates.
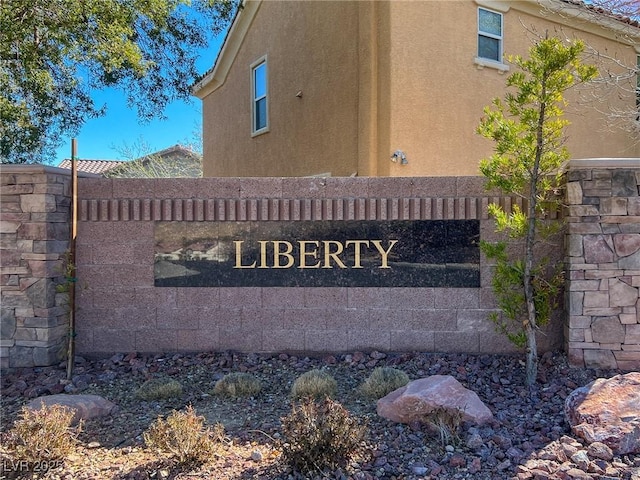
(489, 35)
(259, 97)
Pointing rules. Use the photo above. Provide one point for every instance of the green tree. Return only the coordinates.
(527, 128)
(54, 53)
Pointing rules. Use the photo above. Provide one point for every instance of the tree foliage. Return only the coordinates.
(527, 128)
(54, 53)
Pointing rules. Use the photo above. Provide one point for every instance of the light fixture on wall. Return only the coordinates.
(399, 155)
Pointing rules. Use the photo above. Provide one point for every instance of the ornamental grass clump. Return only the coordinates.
(238, 384)
(446, 423)
(321, 435)
(159, 389)
(184, 436)
(382, 381)
(315, 384)
(40, 438)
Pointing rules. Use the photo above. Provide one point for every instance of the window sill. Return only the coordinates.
(485, 62)
(260, 132)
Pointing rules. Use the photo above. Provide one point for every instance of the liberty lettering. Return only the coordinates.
(306, 254)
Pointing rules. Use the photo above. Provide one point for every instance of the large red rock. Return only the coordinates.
(418, 398)
(607, 411)
(85, 407)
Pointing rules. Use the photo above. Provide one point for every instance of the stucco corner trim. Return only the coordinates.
(230, 48)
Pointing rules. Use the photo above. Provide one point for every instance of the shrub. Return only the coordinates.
(382, 381)
(315, 384)
(446, 423)
(320, 435)
(238, 384)
(184, 436)
(42, 437)
(159, 389)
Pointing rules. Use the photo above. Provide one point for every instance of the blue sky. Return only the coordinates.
(107, 137)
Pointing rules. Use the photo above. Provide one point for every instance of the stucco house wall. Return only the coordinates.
(312, 56)
(376, 77)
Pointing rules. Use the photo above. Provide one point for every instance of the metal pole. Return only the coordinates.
(71, 268)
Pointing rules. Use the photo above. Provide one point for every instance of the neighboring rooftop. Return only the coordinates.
(177, 160)
(92, 166)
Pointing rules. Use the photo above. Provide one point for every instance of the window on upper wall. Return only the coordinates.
(489, 35)
(259, 94)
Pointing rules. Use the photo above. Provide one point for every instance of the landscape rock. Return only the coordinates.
(600, 450)
(419, 398)
(529, 438)
(607, 411)
(85, 407)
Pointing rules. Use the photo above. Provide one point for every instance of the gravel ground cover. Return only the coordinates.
(528, 439)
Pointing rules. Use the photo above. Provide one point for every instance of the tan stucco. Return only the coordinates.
(381, 76)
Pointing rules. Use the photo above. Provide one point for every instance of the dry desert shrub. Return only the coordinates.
(42, 437)
(321, 435)
(315, 384)
(238, 384)
(159, 389)
(446, 423)
(382, 381)
(184, 436)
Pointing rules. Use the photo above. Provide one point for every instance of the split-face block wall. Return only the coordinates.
(121, 305)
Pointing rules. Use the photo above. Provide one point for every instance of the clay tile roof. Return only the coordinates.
(603, 11)
(92, 166)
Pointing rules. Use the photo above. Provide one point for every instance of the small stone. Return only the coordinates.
(578, 474)
(449, 448)
(330, 360)
(475, 441)
(475, 465)
(380, 461)
(581, 459)
(600, 450)
(569, 449)
(514, 453)
(420, 470)
(117, 358)
(377, 355)
(256, 456)
(457, 460)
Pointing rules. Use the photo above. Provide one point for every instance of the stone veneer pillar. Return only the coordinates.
(603, 263)
(34, 239)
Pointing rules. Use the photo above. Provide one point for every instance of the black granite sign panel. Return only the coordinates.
(328, 253)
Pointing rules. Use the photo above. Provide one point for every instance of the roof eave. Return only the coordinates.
(616, 28)
(216, 77)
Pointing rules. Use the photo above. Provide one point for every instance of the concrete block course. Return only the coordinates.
(120, 310)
